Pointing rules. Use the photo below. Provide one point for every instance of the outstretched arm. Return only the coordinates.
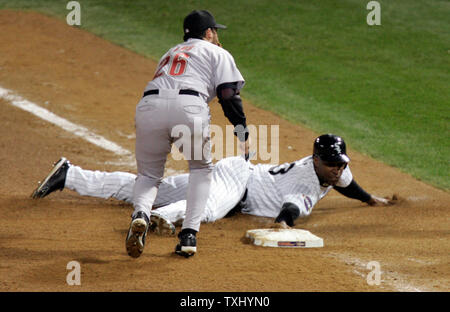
(232, 107)
(353, 190)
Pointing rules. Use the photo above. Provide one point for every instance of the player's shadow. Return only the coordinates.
(246, 240)
(93, 260)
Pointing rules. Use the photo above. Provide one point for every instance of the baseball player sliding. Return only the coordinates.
(285, 192)
(188, 77)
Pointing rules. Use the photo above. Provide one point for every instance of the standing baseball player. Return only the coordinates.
(188, 76)
(283, 192)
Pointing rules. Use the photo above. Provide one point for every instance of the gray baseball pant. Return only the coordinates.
(161, 120)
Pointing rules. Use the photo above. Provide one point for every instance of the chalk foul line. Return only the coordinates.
(75, 129)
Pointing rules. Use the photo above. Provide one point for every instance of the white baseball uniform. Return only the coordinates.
(195, 66)
(269, 187)
(228, 185)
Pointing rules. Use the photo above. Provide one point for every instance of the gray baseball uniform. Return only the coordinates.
(185, 81)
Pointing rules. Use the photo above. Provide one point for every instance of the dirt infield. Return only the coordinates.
(96, 84)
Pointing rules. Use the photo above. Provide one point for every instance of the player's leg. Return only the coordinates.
(173, 213)
(170, 204)
(198, 191)
(118, 185)
(228, 183)
(172, 189)
(102, 184)
(198, 194)
(191, 131)
(228, 186)
(152, 147)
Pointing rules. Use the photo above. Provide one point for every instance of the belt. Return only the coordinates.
(183, 91)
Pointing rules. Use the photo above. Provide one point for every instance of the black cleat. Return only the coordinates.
(54, 181)
(135, 241)
(187, 246)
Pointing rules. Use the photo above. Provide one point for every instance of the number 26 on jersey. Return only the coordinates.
(177, 64)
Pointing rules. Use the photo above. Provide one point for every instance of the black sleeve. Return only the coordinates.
(233, 109)
(289, 212)
(353, 191)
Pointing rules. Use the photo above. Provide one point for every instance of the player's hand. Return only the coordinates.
(379, 201)
(245, 148)
(280, 225)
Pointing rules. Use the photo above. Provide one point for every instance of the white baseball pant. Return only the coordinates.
(228, 185)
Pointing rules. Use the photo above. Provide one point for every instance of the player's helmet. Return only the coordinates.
(331, 148)
(198, 21)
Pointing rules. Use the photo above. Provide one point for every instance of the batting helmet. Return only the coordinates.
(330, 147)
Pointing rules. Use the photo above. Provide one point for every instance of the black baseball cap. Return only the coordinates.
(198, 21)
(331, 148)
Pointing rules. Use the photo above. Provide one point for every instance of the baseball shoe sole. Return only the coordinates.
(137, 233)
(187, 246)
(160, 225)
(54, 181)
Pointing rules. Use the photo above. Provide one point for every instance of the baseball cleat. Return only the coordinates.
(187, 246)
(135, 241)
(54, 181)
(160, 225)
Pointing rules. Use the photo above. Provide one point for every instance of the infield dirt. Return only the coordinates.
(94, 83)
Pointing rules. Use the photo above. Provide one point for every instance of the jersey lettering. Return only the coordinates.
(187, 48)
(161, 65)
(177, 65)
(281, 169)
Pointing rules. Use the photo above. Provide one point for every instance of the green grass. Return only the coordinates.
(385, 89)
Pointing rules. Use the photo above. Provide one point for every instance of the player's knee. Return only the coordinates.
(204, 165)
